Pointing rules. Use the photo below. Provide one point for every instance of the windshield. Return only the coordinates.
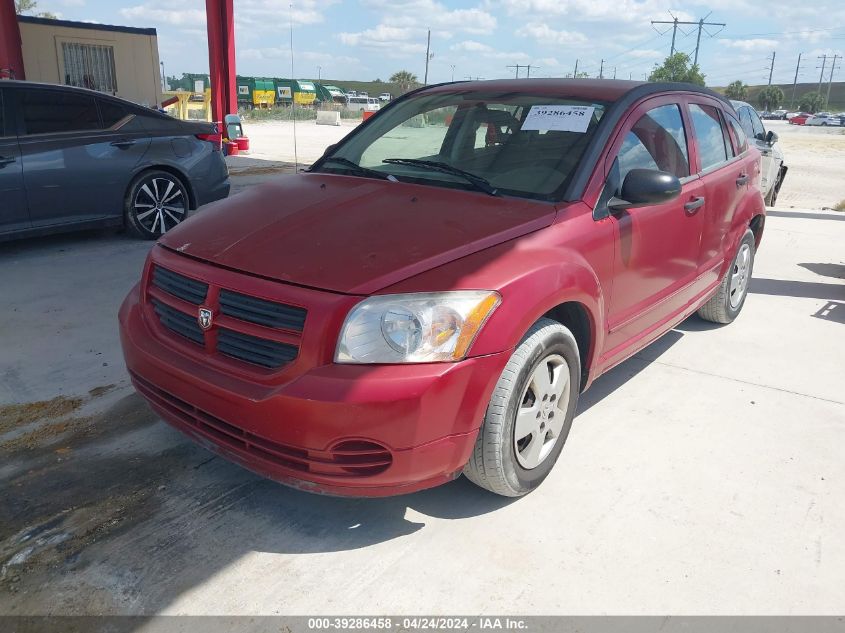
(513, 144)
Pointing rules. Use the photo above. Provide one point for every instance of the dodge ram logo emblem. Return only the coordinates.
(204, 318)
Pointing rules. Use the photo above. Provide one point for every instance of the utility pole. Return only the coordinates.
(453, 71)
(821, 74)
(795, 81)
(427, 57)
(700, 24)
(575, 74)
(601, 70)
(830, 80)
(528, 67)
(772, 67)
(319, 73)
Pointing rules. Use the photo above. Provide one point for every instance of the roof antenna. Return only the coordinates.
(292, 99)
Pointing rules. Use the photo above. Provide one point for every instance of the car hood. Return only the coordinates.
(348, 234)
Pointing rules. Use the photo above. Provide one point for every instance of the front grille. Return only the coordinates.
(233, 336)
(350, 458)
(179, 322)
(179, 286)
(252, 349)
(261, 311)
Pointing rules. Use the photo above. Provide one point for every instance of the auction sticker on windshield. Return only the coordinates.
(560, 118)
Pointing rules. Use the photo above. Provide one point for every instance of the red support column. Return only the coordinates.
(11, 51)
(221, 57)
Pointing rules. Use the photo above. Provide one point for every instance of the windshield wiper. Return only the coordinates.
(363, 171)
(477, 181)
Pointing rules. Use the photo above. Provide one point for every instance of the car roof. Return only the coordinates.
(591, 89)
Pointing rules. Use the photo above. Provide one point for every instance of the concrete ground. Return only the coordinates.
(703, 476)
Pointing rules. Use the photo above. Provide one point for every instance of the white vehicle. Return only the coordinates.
(825, 119)
(363, 103)
(385, 96)
(774, 170)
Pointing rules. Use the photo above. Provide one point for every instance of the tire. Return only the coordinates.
(772, 196)
(726, 304)
(156, 201)
(513, 466)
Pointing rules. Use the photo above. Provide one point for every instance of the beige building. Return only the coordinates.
(118, 60)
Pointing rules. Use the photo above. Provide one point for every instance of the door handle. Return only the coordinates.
(7, 161)
(122, 144)
(741, 180)
(693, 205)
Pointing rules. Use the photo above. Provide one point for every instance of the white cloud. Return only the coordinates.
(471, 46)
(749, 44)
(606, 10)
(434, 15)
(154, 12)
(250, 15)
(545, 35)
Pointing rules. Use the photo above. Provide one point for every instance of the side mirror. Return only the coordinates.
(771, 138)
(644, 187)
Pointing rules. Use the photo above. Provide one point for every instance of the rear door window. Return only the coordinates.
(709, 135)
(52, 111)
(656, 141)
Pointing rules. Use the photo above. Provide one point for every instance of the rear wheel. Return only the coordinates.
(530, 414)
(726, 304)
(155, 203)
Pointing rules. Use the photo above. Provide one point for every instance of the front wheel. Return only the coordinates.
(530, 414)
(155, 203)
(726, 304)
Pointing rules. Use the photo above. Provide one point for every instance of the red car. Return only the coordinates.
(800, 119)
(430, 299)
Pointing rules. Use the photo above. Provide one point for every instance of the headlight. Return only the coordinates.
(414, 328)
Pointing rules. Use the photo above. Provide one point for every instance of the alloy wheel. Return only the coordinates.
(159, 204)
(739, 275)
(542, 412)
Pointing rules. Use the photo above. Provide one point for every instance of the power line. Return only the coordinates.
(528, 67)
(700, 24)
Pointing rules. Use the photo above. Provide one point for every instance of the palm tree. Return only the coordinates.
(404, 79)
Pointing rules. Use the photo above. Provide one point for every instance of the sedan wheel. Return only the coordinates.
(726, 304)
(157, 202)
(530, 413)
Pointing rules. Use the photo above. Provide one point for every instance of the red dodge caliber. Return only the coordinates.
(434, 293)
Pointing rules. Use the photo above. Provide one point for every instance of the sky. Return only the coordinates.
(371, 39)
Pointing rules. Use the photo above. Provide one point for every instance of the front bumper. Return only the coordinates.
(337, 429)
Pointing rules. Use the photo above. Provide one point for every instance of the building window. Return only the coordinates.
(90, 66)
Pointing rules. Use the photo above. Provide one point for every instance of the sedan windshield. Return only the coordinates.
(500, 144)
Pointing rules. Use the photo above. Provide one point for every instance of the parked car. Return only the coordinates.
(774, 169)
(777, 115)
(385, 96)
(824, 119)
(363, 103)
(410, 311)
(72, 158)
(800, 118)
